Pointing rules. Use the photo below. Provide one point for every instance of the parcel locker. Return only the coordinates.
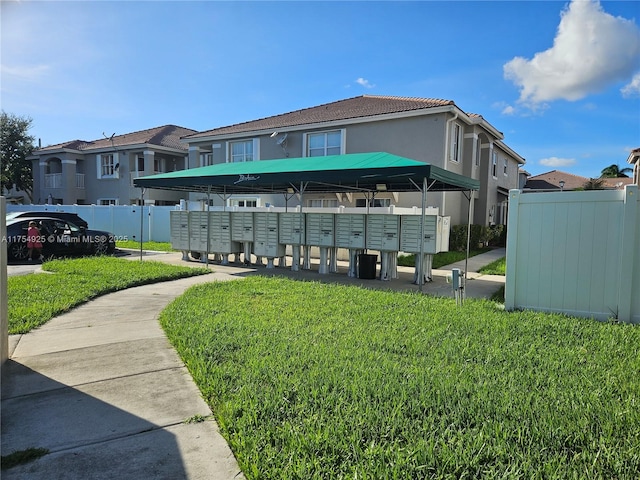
(179, 225)
(291, 228)
(444, 230)
(383, 232)
(320, 229)
(220, 234)
(198, 231)
(350, 231)
(242, 226)
(266, 235)
(410, 234)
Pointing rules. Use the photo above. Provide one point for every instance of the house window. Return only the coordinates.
(241, 151)
(108, 165)
(322, 203)
(478, 152)
(494, 165)
(456, 142)
(504, 166)
(243, 202)
(108, 201)
(141, 164)
(376, 202)
(324, 143)
(158, 165)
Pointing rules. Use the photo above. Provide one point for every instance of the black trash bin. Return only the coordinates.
(367, 266)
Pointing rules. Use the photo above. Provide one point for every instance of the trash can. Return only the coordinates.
(367, 266)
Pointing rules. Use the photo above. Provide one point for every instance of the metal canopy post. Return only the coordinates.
(420, 259)
(208, 225)
(466, 260)
(141, 219)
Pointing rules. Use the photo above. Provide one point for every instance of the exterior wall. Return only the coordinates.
(575, 253)
(425, 138)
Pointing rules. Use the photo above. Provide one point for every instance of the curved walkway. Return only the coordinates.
(102, 389)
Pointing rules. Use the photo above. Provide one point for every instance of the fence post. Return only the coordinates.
(512, 243)
(630, 217)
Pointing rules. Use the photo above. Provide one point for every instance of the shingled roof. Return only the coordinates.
(356, 107)
(551, 181)
(164, 136)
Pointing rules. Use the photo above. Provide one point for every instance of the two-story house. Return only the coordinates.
(101, 172)
(425, 129)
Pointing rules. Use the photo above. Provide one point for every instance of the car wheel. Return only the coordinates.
(101, 245)
(18, 251)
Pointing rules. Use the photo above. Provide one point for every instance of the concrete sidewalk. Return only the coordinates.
(102, 389)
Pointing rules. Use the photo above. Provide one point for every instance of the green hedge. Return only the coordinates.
(480, 235)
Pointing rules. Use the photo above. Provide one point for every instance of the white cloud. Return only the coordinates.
(508, 110)
(592, 50)
(557, 162)
(364, 82)
(632, 89)
(25, 72)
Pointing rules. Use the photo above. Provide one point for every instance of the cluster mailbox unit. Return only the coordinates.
(321, 233)
(291, 231)
(267, 234)
(350, 234)
(266, 239)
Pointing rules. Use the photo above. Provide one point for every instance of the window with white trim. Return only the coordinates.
(322, 203)
(478, 151)
(241, 151)
(376, 202)
(456, 142)
(322, 144)
(504, 166)
(243, 202)
(107, 201)
(107, 165)
(494, 165)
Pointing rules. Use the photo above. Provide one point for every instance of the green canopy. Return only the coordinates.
(334, 173)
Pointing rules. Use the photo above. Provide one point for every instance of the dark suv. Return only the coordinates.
(67, 216)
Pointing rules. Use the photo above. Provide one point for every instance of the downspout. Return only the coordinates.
(447, 149)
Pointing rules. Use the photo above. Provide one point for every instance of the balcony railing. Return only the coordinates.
(53, 180)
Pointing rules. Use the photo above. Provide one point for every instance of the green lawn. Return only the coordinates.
(35, 299)
(155, 246)
(499, 267)
(311, 380)
(442, 258)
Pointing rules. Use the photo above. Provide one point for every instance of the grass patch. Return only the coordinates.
(21, 457)
(498, 267)
(441, 259)
(35, 299)
(311, 380)
(154, 246)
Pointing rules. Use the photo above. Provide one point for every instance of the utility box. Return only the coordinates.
(350, 231)
(198, 231)
(291, 228)
(266, 241)
(242, 227)
(179, 227)
(383, 232)
(320, 229)
(220, 234)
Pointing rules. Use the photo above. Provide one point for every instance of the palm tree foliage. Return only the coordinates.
(614, 171)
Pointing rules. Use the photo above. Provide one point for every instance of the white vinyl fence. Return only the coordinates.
(576, 253)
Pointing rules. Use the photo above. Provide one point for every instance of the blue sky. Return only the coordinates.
(561, 80)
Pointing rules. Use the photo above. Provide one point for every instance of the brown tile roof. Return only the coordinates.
(551, 181)
(165, 136)
(356, 107)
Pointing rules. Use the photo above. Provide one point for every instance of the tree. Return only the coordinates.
(594, 184)
(614, 171)
(15, 146)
